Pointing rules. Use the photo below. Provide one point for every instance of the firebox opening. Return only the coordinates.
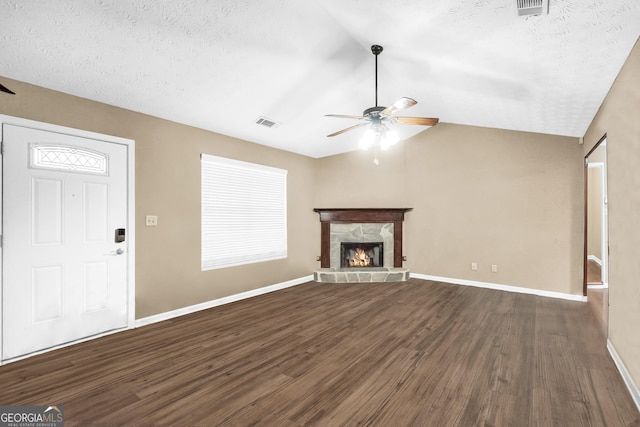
(356, 254)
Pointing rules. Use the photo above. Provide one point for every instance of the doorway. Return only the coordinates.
(596, 246)
(67, 239)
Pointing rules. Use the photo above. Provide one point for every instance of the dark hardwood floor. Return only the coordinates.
(599, 302)
(415, 353)
(598, 298)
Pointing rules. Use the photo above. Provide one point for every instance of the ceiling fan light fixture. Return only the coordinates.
(380, 137)
(368, 139)
(389, 138)
(379, 134)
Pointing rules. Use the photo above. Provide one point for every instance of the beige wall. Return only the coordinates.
(478, 195)
(618, 118)
(168, 272)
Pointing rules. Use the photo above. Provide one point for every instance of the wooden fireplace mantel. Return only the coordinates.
(360, 215)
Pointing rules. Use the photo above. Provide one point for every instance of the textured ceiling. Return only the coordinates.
(219, 65)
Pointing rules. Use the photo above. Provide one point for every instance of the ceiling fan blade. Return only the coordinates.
(343, 116)
(4, 89)
(400, 104)
(423, 121)
(347, 129)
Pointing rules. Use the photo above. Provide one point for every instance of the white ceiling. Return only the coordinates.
(221, 64)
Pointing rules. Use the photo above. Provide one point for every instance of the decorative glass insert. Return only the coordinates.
(68, 158)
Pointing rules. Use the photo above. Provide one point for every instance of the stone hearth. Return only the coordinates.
(359, 275)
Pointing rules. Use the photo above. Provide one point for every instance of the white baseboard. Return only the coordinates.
(626, 376)
(220, 301)
(595, 259)
(499, 287)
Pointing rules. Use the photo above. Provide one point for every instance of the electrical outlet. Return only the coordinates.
(474, 266)
(494, 268)
(151, 221)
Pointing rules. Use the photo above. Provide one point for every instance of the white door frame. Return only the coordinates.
(604, 238)
(130, 145)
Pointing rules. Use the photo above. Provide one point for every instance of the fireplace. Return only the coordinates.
(361, 254)
(361, 225)
(361, 245)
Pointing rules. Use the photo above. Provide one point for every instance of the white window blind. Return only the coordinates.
(244, 212)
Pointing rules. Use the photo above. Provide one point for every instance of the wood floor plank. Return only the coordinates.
(415, 353)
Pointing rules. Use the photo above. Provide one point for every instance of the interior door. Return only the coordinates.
(64, 239)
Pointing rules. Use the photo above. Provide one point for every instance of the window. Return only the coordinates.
(68, 158)
(244, 212)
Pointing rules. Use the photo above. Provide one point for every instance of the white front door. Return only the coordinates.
(64, 274)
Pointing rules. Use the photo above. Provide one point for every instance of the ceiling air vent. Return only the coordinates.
(263, 121)
(532, 7)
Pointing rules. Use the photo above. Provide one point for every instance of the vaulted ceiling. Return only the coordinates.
(221, 65)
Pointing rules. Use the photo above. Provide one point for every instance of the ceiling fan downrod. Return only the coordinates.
(376, 49)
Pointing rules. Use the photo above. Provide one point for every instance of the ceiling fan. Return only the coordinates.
(378, 117)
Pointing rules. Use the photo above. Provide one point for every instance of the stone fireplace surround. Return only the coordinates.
(361, 225)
